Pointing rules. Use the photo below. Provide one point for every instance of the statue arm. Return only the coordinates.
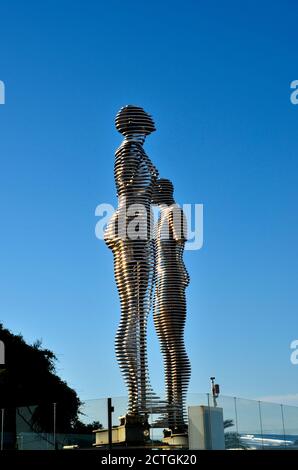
(152, 169)
(126, 167)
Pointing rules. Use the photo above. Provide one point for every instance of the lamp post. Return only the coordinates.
(215, 391)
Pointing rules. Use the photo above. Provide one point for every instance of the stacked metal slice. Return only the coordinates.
(171, 280)
(129, 235)
(144, 260)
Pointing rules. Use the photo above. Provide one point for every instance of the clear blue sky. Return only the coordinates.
(216, 78)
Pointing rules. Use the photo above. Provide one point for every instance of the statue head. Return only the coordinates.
(132, 120)
(163, 192)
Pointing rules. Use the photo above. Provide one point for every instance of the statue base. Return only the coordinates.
(133, 430)
(177, 439)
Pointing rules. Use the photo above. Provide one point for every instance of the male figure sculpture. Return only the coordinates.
(171, 280)
(132, 246)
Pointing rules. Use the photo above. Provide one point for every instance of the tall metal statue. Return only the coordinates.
(171, 280)
(129, 236)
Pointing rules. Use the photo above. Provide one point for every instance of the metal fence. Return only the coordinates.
(249, 424)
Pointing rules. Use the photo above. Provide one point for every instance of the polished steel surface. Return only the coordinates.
(135, 177)
(144, 262)
(171, 280)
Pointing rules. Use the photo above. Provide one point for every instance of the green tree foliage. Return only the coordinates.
(232, 439)
(29, 378)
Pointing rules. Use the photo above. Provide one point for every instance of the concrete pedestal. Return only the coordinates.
(205, 428)
(133, 430)
(177, 440)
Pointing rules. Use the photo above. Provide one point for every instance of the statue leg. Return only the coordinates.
(170, 321)
(180, 364)
(132, 271)
(143, 290)
(125, 337)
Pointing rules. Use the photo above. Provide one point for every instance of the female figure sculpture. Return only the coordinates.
(132, 247)
(171, 280)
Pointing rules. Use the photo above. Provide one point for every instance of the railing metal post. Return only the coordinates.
(283, 424)
(209, 444)
(110, 411)
(261, 424)
(236, 415)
